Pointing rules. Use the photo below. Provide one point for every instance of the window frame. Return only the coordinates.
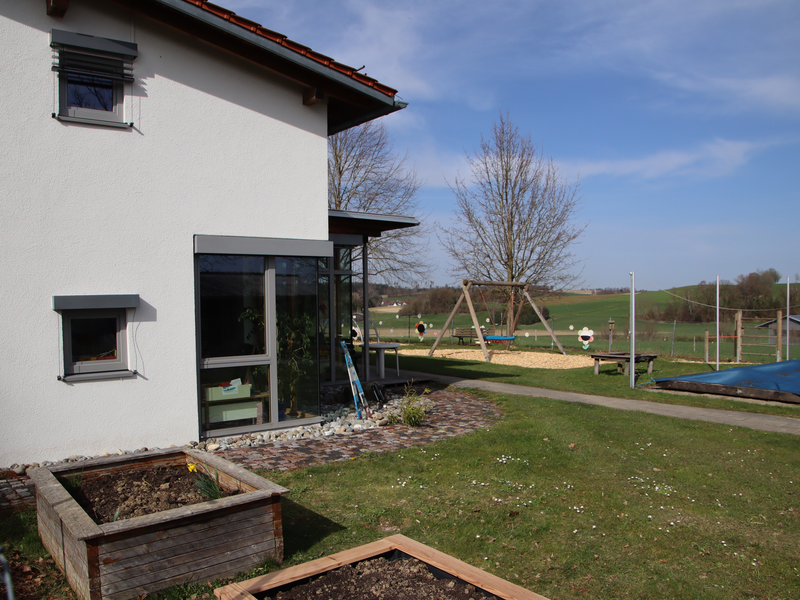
(80, 55)
(76, 367)
(95, 306)
(268, 248)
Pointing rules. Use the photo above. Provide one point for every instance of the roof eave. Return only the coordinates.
(350, 102)
(366, 224)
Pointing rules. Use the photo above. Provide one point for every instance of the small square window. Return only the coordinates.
(95, 335)
(94, 341)
(92, 73)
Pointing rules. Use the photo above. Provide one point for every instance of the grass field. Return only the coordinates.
(571, 501)
(608, 383)
(568, 501)
(581, 310)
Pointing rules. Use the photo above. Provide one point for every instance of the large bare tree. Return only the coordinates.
(366, 175)
(515, 215)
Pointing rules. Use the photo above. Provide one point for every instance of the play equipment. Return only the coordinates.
(509, 337)
(355, 385)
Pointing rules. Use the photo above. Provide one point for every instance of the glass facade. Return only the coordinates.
(270, 330)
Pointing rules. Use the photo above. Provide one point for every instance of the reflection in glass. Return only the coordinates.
(341, 260)
(343, 320)
(232, 305)
(324, 290)
(298, 358)
(93, 338)
(234, 396)
(88, 91)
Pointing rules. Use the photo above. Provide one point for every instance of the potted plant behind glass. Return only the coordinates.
(293, 359)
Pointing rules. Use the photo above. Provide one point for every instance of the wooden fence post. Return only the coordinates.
(706, 345)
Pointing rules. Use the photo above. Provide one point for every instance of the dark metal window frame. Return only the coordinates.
(270, 248)
(77, 55)
(96, 306)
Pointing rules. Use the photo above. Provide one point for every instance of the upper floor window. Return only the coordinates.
(92, 73)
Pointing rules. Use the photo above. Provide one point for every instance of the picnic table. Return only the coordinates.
(468, 333)
(622, 358)
(380, 348)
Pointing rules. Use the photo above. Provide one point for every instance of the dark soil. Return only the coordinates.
(127, 494)
(382, 579)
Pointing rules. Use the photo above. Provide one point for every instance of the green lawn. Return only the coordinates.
(608, 383)
(575, 501)
(568, 500)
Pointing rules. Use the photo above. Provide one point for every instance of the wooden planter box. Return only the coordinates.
(396, 546)
(128, 558)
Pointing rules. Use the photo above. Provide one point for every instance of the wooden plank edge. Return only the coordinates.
(233, 591)
(168, 537)
(473, 575)
(111, 461)
(237, 471)
(466, 572)
(174, 516)
(50, 491)
(314, 567)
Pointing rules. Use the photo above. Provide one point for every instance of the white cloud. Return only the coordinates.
(735, 52)
(714, 159)
(780, 92)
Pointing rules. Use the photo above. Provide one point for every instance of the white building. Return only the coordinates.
(170, 269)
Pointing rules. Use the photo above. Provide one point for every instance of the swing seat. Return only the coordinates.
(499, 338)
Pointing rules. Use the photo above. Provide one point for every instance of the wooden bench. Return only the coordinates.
(463, 333)
(622, 358)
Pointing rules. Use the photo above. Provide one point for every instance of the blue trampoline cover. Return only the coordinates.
(782, 377)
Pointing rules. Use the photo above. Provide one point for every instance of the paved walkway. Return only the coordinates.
(455, 413)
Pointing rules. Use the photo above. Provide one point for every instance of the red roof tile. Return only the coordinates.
(281, 39)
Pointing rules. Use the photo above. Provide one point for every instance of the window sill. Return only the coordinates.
(84, 121)
(98, 376)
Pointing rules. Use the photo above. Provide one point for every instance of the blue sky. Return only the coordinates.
(680, 118)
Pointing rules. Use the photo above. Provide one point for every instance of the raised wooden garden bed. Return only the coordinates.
(393, 547)
(125, 559)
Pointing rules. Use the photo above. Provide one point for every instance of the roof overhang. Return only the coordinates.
(366, 224)
(353, 98)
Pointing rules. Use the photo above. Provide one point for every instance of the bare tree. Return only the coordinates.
(514, 219)
(365, 175)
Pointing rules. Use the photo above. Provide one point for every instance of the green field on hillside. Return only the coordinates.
(572, 312)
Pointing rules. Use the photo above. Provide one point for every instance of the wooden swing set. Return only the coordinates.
(507, 317)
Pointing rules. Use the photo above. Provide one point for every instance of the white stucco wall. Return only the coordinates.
(219, 147)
